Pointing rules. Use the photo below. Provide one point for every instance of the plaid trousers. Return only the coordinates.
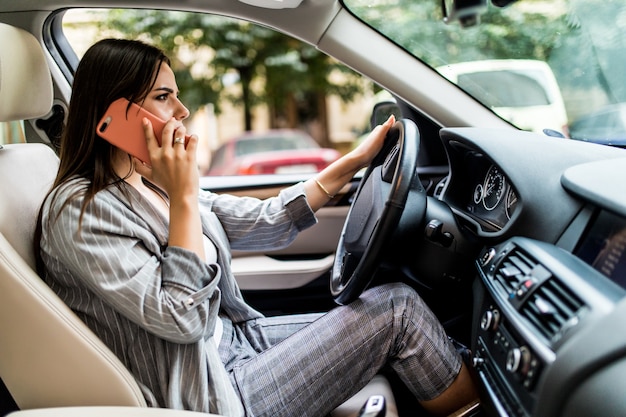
(308, 364)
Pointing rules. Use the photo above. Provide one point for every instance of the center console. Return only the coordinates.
(530, 299)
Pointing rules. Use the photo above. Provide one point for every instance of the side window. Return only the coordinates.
(280, 104)
(218, 158)
(11, 132)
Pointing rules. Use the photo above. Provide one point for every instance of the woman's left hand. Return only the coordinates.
(372, 144)
(330, 181)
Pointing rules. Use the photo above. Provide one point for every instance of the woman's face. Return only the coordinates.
(162, 100)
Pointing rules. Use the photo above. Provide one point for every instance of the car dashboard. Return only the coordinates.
(549, 335)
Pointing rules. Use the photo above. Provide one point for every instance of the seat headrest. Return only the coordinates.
(25, 81)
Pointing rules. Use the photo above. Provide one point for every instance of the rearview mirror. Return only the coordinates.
(466, 12)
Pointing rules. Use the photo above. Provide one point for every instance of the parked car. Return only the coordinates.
(271, 152)
(606, 126)
(523, 91)
(515, 239)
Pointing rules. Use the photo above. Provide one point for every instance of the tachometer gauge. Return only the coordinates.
(494, 188)
(478, 194)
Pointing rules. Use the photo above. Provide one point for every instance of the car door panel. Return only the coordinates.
(310, 256)
(258, 272)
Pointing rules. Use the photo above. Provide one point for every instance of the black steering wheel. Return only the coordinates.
(372, 224)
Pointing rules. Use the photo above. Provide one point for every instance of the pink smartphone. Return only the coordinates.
(122, 126)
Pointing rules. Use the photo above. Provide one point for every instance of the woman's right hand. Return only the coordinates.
(174, 164)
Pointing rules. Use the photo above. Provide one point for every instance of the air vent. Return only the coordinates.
(551, 308)
(513, 271)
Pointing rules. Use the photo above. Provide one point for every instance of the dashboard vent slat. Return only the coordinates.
(551, 308)
(522, 262)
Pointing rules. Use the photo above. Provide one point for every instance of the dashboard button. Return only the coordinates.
(486, 257)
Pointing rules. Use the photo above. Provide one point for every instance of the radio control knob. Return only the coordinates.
(518, 360)
(513, 360)
(490, 320)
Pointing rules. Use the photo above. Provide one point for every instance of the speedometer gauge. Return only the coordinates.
(494, 188)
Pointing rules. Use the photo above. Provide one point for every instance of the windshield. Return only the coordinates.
(557, 64)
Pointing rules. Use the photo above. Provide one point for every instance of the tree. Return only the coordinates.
(292, 78)
(498, 35)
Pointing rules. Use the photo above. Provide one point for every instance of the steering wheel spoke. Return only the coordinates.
(365, 213)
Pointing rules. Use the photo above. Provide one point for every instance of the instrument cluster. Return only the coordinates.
(493, 201)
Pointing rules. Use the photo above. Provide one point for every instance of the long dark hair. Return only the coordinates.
(110, 69)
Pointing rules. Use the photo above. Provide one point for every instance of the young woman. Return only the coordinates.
(143, 257)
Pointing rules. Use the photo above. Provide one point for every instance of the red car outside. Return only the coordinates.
(272, 152)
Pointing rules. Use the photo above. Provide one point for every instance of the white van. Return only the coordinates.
(496, 83)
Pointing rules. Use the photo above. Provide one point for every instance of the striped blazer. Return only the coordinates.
(156, 306)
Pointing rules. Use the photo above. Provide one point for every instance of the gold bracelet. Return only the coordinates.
(329, 195)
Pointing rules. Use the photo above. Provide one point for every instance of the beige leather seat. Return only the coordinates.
(48, 357)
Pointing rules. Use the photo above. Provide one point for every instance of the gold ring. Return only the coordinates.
(179, 140)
